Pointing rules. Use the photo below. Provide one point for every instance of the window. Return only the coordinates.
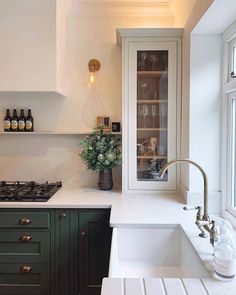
(232, 61)
(229, 126)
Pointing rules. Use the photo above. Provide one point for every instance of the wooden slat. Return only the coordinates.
(154, 287)
(194, 287)
(112, 287)
(134, 287)
(174, 287)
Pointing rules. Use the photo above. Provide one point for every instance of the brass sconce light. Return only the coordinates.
(94, 66)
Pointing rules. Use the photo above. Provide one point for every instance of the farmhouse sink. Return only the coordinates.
(163, 251)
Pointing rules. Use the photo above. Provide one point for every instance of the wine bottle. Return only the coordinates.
(7, 121)
(29, 122)
(14, 121)
(22, 121)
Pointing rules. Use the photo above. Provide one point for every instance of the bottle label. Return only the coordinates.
(21, 125)
(7, 124)
(14, 124)
(28, 125)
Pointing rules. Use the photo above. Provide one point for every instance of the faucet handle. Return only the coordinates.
(186, 208)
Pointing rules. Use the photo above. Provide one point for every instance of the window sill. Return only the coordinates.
(230, 217)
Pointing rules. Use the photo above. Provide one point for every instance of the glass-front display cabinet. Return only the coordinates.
(151, 90)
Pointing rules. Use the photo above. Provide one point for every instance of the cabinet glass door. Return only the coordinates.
(152, 113)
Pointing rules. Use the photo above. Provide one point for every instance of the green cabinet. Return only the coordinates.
(94, 250)
(26, 252)
(54, 252)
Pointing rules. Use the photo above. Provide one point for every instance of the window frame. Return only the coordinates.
(228, 98)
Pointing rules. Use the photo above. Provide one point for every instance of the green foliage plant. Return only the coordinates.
(101, 150)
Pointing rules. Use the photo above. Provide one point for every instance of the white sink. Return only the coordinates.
(163, 251)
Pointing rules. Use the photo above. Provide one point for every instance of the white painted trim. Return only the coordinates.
(147, 33)
(230, 33)
(229, 92)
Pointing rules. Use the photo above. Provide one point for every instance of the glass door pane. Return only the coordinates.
(152, 113)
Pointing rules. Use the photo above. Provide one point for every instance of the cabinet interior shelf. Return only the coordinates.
(151, 101)
(156, 74)
(151, 157)
(51, 133)
(152, 129)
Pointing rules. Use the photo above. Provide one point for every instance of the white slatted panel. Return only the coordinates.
(154, 287)
(174, 287)
(134, 287)
(112, 287)
(194, 287)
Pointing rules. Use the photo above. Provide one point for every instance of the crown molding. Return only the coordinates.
(129, 9)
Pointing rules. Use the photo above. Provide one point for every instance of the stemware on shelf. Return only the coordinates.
(154, 112)
(146, 113)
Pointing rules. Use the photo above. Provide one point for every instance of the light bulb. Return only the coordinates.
(92, 77)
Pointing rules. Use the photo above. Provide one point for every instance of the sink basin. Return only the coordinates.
(163, 251)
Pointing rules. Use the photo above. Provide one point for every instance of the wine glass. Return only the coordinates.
(143, 61)
(146, 113)
(163, 115)
(154, 59)
(140, 114)
(154, 112)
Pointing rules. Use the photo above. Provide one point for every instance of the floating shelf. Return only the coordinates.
(151, 101)
(151, 157)
(51, 133)
(152, 129)
(155, 74)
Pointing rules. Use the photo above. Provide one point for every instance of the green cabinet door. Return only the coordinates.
(94, 249)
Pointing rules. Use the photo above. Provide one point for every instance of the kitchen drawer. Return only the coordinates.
(13, 279)
(24, 219)
(24, 246)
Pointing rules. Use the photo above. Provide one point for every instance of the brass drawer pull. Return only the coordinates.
(26, 269)
(24, 221)
(25, 238)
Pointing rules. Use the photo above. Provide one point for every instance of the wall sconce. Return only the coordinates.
(94, 66)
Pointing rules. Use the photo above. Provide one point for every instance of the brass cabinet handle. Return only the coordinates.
(63, 215)
(24, 221)
(26, 269)
(25, 238)
(83, 234)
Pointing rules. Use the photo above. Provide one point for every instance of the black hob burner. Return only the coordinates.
(31, 191)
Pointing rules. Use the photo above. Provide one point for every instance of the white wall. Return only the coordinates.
(205, 102)
(198, 11)
(54, 157)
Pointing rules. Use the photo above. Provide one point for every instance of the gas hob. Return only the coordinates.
(20, 191)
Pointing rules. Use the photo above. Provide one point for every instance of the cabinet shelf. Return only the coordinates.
(154, 74)
(152, 129)
(152, 101)
(151, 157)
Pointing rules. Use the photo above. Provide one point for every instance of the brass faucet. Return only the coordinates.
(203, 221)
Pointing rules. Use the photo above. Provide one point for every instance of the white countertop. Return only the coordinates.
(136, 211)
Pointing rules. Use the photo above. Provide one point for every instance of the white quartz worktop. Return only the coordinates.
(136, 211)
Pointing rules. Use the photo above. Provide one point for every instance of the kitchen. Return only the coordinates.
(45, 52)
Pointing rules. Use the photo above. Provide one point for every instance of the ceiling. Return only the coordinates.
(177, 10)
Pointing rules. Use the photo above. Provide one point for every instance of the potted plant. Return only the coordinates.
(101, 152)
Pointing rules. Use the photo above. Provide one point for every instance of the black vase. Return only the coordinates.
(105, 180)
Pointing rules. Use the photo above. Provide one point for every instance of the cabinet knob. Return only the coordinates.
(63, 215)
(26, 269)
(83, 234)
(25, 238)
(24, 221)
